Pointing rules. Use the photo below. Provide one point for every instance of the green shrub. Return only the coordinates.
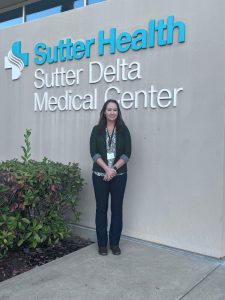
(33, 199)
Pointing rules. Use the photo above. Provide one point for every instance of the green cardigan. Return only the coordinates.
(98, 147)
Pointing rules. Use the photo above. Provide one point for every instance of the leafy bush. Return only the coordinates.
(33, 199)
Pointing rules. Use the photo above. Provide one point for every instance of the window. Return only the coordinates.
(93, 1)
(11, 18)
(44, 8)
(41, 9)
(78, 3)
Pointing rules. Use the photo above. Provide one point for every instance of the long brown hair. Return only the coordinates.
(102, 120)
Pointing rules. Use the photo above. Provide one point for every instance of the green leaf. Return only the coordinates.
(39, 226)
(33, 244)
(37, 237)
(20, 242)
(25, 220)
(27, 235)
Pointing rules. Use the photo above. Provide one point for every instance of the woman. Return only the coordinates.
(110, 147)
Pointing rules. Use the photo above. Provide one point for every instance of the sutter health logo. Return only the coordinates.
(16, 60)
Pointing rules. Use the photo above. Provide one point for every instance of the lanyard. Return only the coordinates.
(110, 137)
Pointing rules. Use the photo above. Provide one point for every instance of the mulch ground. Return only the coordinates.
(22, 260)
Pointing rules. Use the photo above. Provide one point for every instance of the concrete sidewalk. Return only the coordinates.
(141, 272)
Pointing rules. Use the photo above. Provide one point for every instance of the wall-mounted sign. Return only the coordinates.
(159, 33)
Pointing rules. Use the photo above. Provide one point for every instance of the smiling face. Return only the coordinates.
(111, 112)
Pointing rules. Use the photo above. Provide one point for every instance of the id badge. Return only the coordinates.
(110, 155)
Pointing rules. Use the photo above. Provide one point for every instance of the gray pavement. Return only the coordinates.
(141, 272)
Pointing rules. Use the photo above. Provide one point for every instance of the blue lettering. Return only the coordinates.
(111, 41)
(51, 60)
(139, 39)
(69, 45)
(89, 43)
(38, 52)
(123, 42)
(152, 34)
(78, 50)
(181, 30)
(61, 48)
(159, 32)
(160, 28)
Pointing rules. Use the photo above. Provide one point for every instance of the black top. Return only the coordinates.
(98, 147)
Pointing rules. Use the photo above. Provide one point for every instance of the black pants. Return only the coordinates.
(115, 187)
